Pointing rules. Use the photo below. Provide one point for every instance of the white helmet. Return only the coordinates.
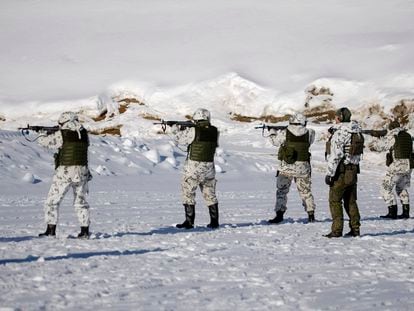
(297, 119)
(201, 114)
(67, 116)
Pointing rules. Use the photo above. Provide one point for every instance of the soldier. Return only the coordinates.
(399, 145)
(71, 171)
(199, 170)
(343, 154)
(293, 164)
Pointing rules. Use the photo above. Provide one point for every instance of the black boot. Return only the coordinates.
(278, 218)
(189, 217)
(405, 211)
(50, 231)
(311, 216)
(392, 212)
(331, 235)
(353, 233)
(214, 216)
(84, 234)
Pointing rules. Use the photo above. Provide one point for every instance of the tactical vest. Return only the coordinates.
(295, 148)
(204, 145)
(403, 145)
(357, 144)
(74, 151)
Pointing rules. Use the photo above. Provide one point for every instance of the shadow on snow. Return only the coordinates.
(392, 233)
(197, 229)
(31, 258)
(17, 238)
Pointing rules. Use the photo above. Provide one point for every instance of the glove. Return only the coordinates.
(329, 180)
(273, 132)
(175, 128)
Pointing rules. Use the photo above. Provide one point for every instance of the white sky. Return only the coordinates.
(63, 50)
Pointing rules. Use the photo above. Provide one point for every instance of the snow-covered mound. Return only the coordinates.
(130, 108)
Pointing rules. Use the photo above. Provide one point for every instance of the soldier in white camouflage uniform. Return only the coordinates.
(199, 170)
(344, 154)
(398, 143)
(71, 171)
(296, 139)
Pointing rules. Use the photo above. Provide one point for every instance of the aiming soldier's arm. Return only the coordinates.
(311, 136)
(52, 141)
(382, 144)
(277, 137)
(183, 137)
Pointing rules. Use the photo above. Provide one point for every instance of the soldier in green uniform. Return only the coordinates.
(199, 170)
(344, 154)
(71, 172)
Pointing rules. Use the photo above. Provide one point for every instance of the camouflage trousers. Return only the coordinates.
(66, 177)
(304, 185)
(401, 182)
(198, 174)
(344, 190)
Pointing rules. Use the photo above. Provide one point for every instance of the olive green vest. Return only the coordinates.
(204, 144)
(295, 148)
(74, 151)
(403, 145)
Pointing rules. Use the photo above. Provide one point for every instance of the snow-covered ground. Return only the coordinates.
(237, 58)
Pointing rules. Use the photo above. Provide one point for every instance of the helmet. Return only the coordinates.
(201, 114)
(344, 114)
(67, 116)
(298, 119)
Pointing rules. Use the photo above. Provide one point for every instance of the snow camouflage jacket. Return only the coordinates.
(186, 137)
(299, 168)
(55, 141)
(398, 166)
(340, 144)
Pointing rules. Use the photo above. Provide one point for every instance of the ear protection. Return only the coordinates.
(343, 114)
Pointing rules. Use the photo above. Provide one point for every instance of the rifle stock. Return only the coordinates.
(375, 133)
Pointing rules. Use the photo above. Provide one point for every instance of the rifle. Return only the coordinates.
(379, 133)
(375, 133)
(38, 128)
(182, 124)
(271, 127)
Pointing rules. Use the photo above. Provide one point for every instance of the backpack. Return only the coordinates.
(357, 144)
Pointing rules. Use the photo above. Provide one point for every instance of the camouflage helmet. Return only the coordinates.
(67, 116)
(201, 114)
(298, 119)
(344, 114)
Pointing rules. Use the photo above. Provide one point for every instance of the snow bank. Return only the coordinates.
(227, 97)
